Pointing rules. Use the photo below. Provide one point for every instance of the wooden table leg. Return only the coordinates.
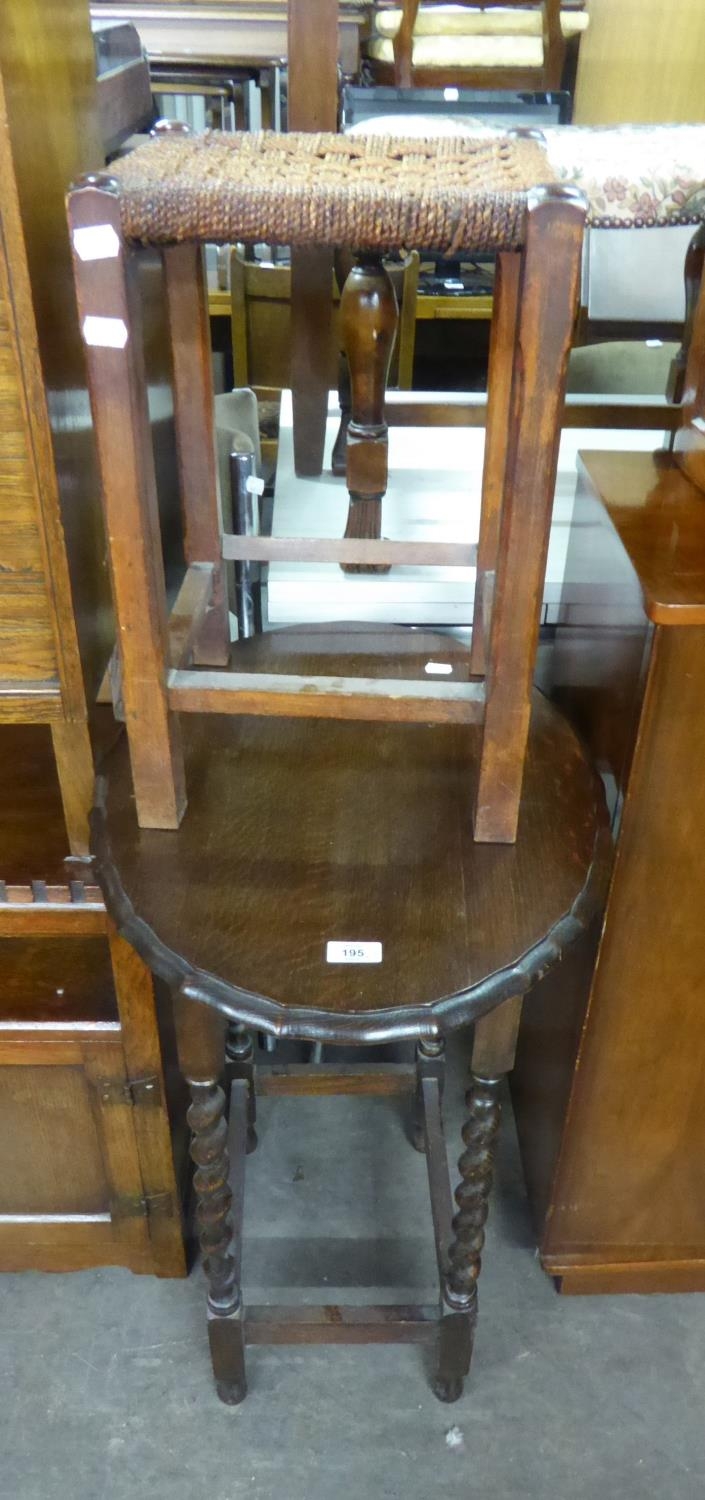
(200, 1034)
(369, 317)
(430, 1063)
(240, 1063)
(492, 1057)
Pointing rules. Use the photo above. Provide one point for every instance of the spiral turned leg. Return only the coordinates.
(457, 1330)
(209, 1151)
(240, 1063)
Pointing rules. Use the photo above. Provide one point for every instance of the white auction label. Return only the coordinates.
(96, 242)
(353, 953)
(438, 668)
(105, 333)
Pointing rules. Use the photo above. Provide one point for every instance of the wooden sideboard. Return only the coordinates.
(89, 1168)
(609, 1087)
(90, 1172)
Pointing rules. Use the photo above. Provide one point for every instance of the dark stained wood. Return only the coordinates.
(502, 344)
(189, 329)
(311, 333)
(369, 320)
(689, 442)
(387, 1323)
(607, 1087)
(106, 289)
(31, 814)
(63, 982)
(377, 1079)
(547, 306)
(692, 276)
(134, 990)
(495, 1038)
(656, 417)
(313, 64)
(396, 850)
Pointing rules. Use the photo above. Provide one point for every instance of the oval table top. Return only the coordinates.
(301, 832)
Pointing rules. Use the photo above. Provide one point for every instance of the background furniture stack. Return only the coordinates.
(87, 1167)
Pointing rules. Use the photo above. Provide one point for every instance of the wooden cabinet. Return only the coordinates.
(609, 1087)
(89, 1170)
(90, 1173)
(49, 522)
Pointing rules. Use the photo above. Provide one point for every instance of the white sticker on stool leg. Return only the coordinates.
(105, 333)
(96, 242)
(353, 953)
(438, 668)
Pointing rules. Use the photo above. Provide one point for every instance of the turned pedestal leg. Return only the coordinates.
(240, 1063)
(200, 1037)
(492, 1057)
(369, 318)
(343, 263)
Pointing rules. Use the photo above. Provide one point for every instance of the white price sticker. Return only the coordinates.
(96, 242)
(353, 953)
(438, 669)
(105, 333)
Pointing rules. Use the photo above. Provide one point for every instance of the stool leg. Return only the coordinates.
(109, 311)
(430, 1063)
(494, 1046)
(369, 318)
(548, 298)
(209, 1151)
(240, 1063)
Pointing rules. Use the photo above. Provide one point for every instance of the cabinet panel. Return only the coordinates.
(50, 1153)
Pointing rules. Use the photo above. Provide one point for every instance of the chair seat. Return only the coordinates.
(304, 189)
(299, 833)
(456, 21)
(457, 51)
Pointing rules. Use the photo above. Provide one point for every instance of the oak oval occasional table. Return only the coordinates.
(304, 833)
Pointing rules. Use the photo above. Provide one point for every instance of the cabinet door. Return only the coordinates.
(71, 1192)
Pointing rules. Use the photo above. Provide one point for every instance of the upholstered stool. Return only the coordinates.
(351, 835)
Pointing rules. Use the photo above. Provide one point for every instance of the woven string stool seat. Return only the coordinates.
(336, 834)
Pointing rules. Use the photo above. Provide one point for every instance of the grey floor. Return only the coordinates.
(105, 1389)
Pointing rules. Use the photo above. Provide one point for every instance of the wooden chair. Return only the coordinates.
(487, 48)
(325, 881)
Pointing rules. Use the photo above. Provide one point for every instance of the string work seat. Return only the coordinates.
(340, 835)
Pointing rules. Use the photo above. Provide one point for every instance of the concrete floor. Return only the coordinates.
(105, 1389)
